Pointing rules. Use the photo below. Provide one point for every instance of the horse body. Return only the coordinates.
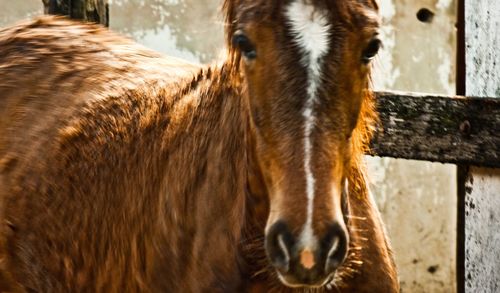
(125, 171)
(100, 152)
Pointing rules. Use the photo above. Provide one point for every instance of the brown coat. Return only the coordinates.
(125, 171)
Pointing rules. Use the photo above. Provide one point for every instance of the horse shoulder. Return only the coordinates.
(71, 127)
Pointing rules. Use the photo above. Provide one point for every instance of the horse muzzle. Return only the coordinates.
(299, 266)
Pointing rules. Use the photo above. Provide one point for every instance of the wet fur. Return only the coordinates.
(124, 171)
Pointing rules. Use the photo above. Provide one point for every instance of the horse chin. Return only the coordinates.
(325, 283)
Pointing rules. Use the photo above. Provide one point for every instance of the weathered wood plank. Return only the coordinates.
(437, 128)
(88, 10)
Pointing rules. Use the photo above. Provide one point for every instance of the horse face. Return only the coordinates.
(306, 68)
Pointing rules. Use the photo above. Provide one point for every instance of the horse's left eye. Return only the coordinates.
(371, 50)
(244, 45)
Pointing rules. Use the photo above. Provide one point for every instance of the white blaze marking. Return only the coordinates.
(311, 29)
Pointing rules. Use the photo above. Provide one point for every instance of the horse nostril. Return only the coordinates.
(279, 241)
(335, 243)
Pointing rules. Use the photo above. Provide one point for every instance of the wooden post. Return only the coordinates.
(462, 170)
(87, 10)
(482, 186)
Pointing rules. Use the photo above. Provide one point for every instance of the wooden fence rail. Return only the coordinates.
(442, 129)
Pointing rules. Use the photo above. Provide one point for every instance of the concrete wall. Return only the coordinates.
(417, 199)
(12, 11)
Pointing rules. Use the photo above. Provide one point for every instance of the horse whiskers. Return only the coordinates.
(358, 230)
(353, 255)
(356, 217)
(332, 285)
(358, 262)
(352, 267)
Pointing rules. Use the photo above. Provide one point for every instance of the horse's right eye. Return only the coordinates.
(246, 47)
(371, 51)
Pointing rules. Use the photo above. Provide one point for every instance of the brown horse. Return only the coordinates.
(125, 171)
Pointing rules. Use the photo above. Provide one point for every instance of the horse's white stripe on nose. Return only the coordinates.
(311, 29)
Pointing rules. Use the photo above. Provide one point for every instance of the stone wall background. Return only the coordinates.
(417, 199)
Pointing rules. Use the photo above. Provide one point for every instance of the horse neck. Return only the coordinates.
(205, 142)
